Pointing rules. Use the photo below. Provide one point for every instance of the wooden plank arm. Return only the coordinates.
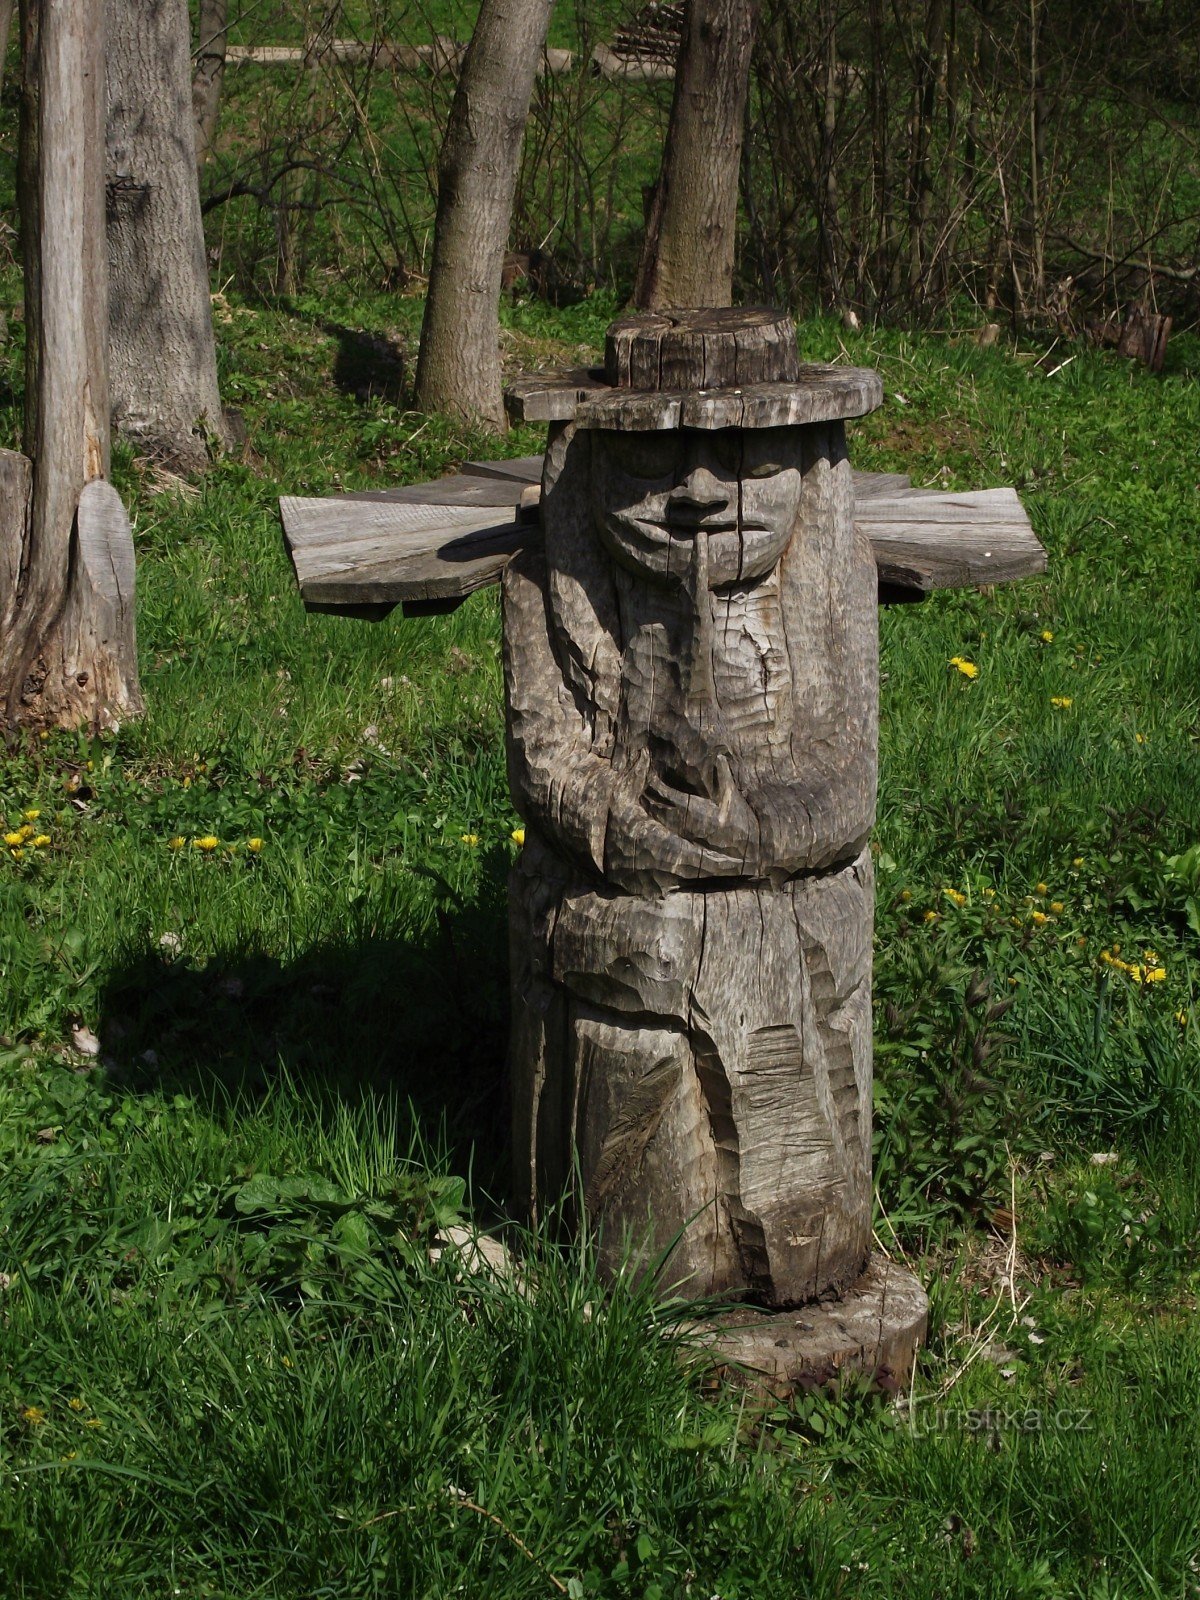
(428, 546)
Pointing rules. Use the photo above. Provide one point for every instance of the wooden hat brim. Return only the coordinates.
(819, 394)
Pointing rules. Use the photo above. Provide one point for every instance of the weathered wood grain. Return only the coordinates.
(710, 347)
(825, 394)
(526, 469)
(875, 1327)
(711, 1064)
(355, 553)
(552, 396)
(460, 489)
(935, 540)
(690, 670)
(922, 539)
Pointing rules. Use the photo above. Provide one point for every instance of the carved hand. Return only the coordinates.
(723, 822)
(644, 842)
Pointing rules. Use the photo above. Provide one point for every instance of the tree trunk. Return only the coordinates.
(163, 364)
(208, 75)
(6, 16)
(687, 259)
(459, 364)
(67, 649)
(1037, 160)
(929, 56)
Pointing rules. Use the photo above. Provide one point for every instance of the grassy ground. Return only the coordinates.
(228, 1366)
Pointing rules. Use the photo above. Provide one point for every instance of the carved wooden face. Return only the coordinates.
(655, 496)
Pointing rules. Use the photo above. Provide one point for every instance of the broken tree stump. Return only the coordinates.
(1144, 338)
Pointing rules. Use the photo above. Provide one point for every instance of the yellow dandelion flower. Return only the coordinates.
(1041, 888)
(988, 894)
(92, 1422)
(254, 846)
(1061, 702)
(931, 916)
(26, 830)
(1136, 972)
(31, 816)
(1057, 907)
(14, 839)
(1155, 975)
(956, 895)
(75, 1403)
(1038, 918)
(34, 1416)
(1116, 949)
(518, 836)
(1151, 958)
(17, 855)
(1077, 861)
(1181, 1017)
(905, 896)
(1140, 737)
(967, 668)
(1047, 636)
(469, 839)
(41, 840)
(177, 843)
(208, 841)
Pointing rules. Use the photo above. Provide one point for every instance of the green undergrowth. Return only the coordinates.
(252, 1056)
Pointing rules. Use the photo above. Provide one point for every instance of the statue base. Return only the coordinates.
(875, 1328)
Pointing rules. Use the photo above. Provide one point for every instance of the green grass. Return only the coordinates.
(228, 1366)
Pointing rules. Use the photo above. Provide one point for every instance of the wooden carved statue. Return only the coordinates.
(691, 672)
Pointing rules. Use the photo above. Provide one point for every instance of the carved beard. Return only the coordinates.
(698, 509)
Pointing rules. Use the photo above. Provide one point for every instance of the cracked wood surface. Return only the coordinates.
(691, 681)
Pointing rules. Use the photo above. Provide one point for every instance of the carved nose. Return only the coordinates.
(699, 492)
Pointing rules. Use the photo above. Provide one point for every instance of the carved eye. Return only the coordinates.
(728, 445)
(644, 455)
(765, 454)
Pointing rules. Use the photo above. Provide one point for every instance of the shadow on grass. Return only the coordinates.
(367, 365)
(423, 1019)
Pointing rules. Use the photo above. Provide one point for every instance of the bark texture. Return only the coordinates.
(163, 369)
(691, 672)
(458, 368)
(67, 648)
(687, 258)
(208, 75)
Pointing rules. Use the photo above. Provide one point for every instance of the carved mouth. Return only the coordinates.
(677, 525)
